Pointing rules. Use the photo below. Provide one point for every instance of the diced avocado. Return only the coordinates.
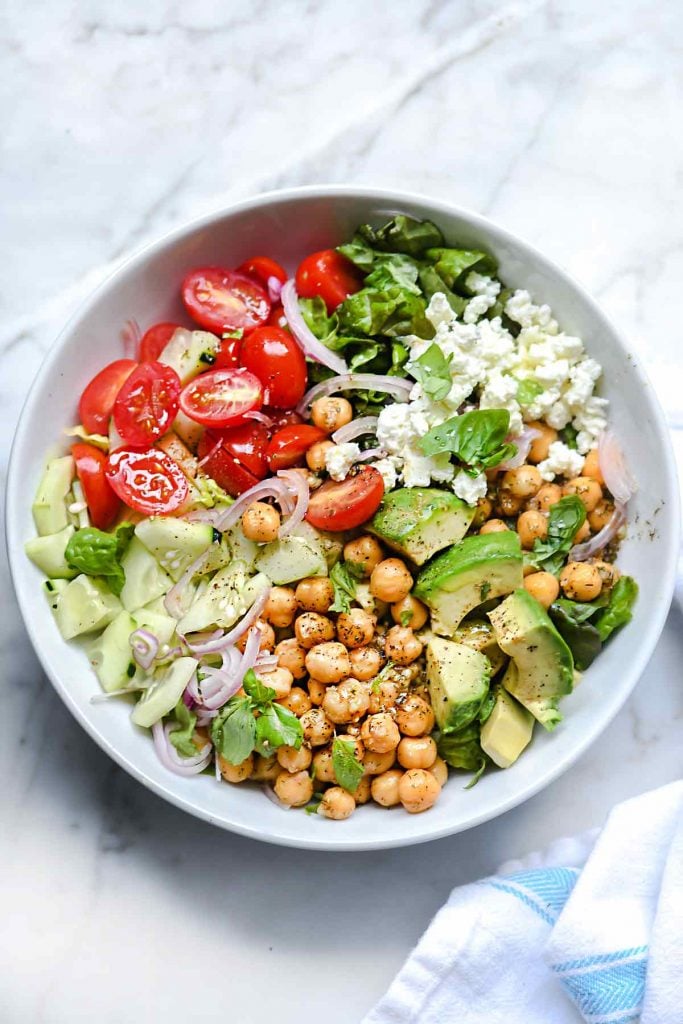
(145, 579)
(49, 505)
(111, 655)
(458, 679)
(543, 666)
(160, 623)
(52, 590)
(165, 691)
(478, 634)
(189, 353)
(419, 521)
(477, 569)
(47, 553)
(224, 600)
(173, 542)
(85, 605)
(507, 730)
(292, 558)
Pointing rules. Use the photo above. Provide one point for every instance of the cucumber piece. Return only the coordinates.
(292, 558)
(162, 625)
(227, 597)
(164, 693)
(189, 353)
(48, 553)
(49, 505)
(174, 543)
(85, 605)
(187, 430)
(111, 655)
(241, 549)
(52, 590)
(145, 579)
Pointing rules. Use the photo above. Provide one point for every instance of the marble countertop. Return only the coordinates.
(559, 120)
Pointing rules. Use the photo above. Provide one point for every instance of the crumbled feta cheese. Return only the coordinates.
(338, 460)
(522, 310)
(486, 291)
(500, 392)
(470, 488)
(387, 470)
(562, 461)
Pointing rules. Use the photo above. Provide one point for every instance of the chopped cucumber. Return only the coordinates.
(227, 597)
(111, 655)
(174, 543)
(162, 625)
(189, 353)
(85, 605)
(291, 558)
(47, 553)
(164, 693)
(145, 579)
(49, 507)
(52, 590)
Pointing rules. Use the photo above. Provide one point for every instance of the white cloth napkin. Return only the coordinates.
(591, 930)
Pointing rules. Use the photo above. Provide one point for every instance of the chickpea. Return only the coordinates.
(540, 445)
(315, 594)
(507, 504)
(322, 766)
(483, 511)
(260, 522)
(543, 586)
(236, 772)
(390, 581)
(315, 456)
(318, 729)
(316, 691)
(364, 552)
(293, 760)
(294, 789)
(267, 637)
(312, 629)
(601, 515)
(402, 646)
(278, 679)
(546, 496)
(266, 769)
(375, 764)
(337, 804)
(414, 715)
(380, 733)
(416, 752)
(331, 413)
(523, 482)
(347, 702)
(494, 526)
(418, 790)
(591, 467)
(363, 792)
(530, 526)
(587, 489)
(384, 788)
(440, 771)
(280, 607)
(383, 697)
(366, 662)
(291, 655)
(409, 612)
(580, 581)
(609, 574)
(297, 701)
(356, 627)
(328, 662)
(583, 532)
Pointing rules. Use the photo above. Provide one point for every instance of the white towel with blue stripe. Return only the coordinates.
(590, 930)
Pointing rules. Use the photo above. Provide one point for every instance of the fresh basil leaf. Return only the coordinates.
(619, 611)
(381, 676)
(233, 730)
(580, 611)
(258, 691)
(565, 519)
(568, 436)
(97, 553)
(528, 391)
(402, 234)
(276, 726)
(581, 636)
(344, 583)
(181, 738)
(347, 769)
(291, 730)
(476, 438)
(478, 773)
(433, 371)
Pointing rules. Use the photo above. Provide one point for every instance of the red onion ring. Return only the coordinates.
(220, 643)
(225, 682)
(162, 744)
(260, 417)
(272, 488)
(145, 646)
(397, 387)
(371, 453)
(274, 288)
(581, 552)
(173, 600)
(302, 333)
(523, 442)
(131, 335)
(298, 484)
(354, 429)
(618, 478)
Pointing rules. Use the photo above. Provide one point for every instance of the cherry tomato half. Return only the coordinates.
(262, 268)
(150, 482)
(348, 503)
(97, 400)
(275, 358)
(282, 417)
(224, 300)
(289, 445)
(220, 398)
(330, 275)
(154, 341)
(147, 404)
(223, 467)
(247, 442)
(228, 355)
(91, 466)
(277, 317)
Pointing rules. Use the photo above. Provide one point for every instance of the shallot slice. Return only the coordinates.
(310, 345)
(618, 478)
(593, 546)
(397, 387)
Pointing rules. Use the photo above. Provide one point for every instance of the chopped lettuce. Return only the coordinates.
(619, 611)
(585, 626)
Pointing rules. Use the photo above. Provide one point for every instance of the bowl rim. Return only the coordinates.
(477, 222)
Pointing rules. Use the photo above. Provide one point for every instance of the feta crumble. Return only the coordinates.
(470, 488)
(562, 461)
(340, 459)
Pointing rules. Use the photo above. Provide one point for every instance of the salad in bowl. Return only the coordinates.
(343, 533)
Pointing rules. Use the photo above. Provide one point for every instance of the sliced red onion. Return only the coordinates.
(131, 335)
(356, 428)
(266, 661)
(397, 387)
(274, 288)
(210, 453)
(188, 699)
(371, 453)
(162, 744)
(225, 640)
(310, 345)
(523, 442)
(260, 417)
(173, 602)
(270, 793)
(145, 646)
(199, 758)
(205, 717)
(220, 684)
(265, 489)
(618, 478)
(296, 483)
(589, 548)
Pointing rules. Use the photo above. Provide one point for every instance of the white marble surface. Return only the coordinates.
(560, 120)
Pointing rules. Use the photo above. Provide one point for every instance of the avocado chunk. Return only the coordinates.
(48, 553)
(291, 558)
(507, 731)
(477, 569)
(49, 505)
(419, 521)
(458, 679)
(478, 634)
(542, 667)
(174, 543)
(85, 605)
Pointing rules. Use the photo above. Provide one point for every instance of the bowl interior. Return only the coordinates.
(287, 226)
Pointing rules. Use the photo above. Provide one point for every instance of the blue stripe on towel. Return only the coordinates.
(607, 988)
(544, 890)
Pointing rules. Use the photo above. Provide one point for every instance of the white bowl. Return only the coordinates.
(287, 225)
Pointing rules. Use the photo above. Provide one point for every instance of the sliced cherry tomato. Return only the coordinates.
(155, 340)
(282, 417)
(220, 398)
(91, 466)
(97, 400)
(348, 503)
(262, 268)
(228, 354)
(275, 358)
(224, 300)
(277, 317)
(247, 442)
(329, 275)
(150, 482)
(289, 445)
(223, 467)
(147, 404)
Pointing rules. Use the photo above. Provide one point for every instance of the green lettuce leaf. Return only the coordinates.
(347, 769)
(581, 636)
(476, 438)
(564, 520)
(97, 553)
(181, 738)
(402, 234)
(462, 750)
(453, 266)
